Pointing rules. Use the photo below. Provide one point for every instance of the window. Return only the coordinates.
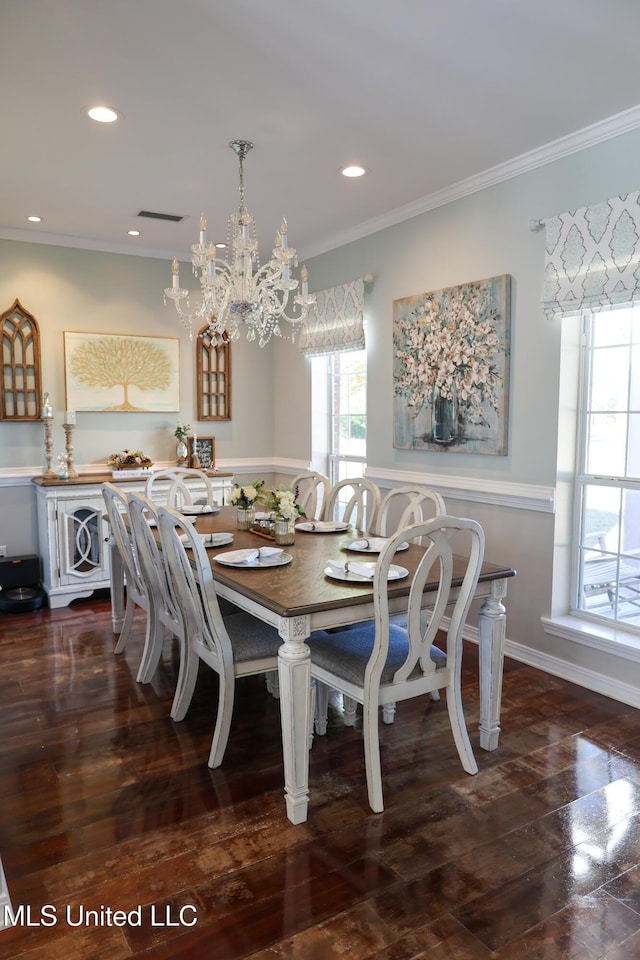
(340, 414)
(606, 578)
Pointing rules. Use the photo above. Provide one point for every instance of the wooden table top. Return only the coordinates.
(301, 587)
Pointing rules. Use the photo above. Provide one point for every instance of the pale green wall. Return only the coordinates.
(81, 290)
(482, 235)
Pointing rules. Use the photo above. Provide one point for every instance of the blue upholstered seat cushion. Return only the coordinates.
(251, 639)
(346, 653)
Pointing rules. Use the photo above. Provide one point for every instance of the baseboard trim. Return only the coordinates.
(583, 677)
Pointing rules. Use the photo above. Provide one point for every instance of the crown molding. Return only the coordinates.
(589, 136)
(572, 143)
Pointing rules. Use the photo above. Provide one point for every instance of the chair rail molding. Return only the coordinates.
(521, 496)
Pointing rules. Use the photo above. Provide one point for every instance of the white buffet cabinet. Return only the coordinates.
(73, 535)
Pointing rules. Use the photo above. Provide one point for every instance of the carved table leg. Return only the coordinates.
(294, 672)
(492, 623)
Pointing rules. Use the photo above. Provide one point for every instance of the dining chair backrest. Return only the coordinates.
(407, 505)
(379, 663)
(240, 646)
(117, 505)
(354, 500)
(142, 514)
(192, 583)
(311, 490)
(180, 487)
(137, 594)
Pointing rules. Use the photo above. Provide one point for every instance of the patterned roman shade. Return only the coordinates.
(593, 257)
(337, 323)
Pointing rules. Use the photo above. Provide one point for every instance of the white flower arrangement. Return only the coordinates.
(283, 505)
(448, 345)
(246, 496)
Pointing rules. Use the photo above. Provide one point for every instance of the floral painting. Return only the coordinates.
(451, 368)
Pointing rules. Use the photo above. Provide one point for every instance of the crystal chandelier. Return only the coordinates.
(236, 291)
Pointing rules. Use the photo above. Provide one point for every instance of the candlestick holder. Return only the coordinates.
(48, 471)
(68, 432)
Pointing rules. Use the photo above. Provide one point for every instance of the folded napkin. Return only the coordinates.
(250, 556)
(211, 539)
(197, 508)
(373, 544)
(320, 526)
(367, 570)
(369, 543)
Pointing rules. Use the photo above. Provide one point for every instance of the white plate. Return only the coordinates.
(375, 545)
(234, 559)
(346, 575)
(198, 508)
(322, 526)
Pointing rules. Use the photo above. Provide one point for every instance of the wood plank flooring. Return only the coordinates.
(106, 805)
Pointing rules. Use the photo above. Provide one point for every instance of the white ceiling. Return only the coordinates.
(425, 93)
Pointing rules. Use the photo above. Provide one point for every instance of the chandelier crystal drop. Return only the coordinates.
(236, 291)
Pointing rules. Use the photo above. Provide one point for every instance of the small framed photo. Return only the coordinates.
(202, 452)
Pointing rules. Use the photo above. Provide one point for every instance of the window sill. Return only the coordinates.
(612, 640)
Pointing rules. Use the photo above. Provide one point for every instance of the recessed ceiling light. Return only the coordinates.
(103, 114)
(353, 170)
(133, 233)
(34, 219)
(221, 246)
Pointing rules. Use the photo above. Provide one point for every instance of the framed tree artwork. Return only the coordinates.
(119, 374)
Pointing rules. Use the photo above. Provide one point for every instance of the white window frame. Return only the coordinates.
(326, 414)
(584, 549)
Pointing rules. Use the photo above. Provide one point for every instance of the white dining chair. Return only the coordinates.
(163, 609)
(179, 493)
(237, 646)
(137, 595)
(379, 662)
(402, 506)
(311, 490)
(354, 500)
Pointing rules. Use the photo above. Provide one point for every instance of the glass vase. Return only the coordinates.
(182, 453)
(246, 516)
(284, 532)
(444, 416)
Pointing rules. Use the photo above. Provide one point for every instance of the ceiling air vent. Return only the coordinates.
(171, 217)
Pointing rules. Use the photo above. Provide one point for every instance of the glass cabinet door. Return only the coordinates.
(83, 548)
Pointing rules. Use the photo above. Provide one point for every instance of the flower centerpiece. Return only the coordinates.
(182, 451)
(245, 497)
(285, 511)
(129, 463)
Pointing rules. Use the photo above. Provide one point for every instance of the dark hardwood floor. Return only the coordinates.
(107, 805)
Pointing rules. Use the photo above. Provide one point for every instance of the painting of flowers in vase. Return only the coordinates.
(451, 368)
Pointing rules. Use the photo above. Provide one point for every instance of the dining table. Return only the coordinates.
(300, 596)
